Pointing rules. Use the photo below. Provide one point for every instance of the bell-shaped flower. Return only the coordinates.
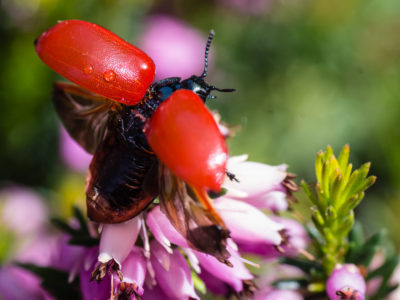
(248, 224)
(176, 48)
(92, 290)
(258, 184)
(19, 284)
(117, 240)
(134, 270)
(346, 282)
(232, 275)
(154, 293)
(162, 229)
(295, 241)
(214, 284)
(172, 273)
(23, 211)
(68, 257)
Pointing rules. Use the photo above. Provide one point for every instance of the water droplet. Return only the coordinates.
(109, 76)
(88, 69)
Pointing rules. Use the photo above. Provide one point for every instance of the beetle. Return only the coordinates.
(147, 139)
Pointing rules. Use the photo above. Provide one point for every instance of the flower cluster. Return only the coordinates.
(147, 255)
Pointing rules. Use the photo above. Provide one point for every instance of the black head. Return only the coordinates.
(197, 83)
(164, 88)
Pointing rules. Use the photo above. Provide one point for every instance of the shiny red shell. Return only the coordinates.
(186, 138)
(97, 59)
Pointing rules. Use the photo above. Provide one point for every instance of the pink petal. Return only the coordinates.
(247, 223)
(134, 269)
(91, 290)
(172, 273)
(39, 251)
(233, 276)
(20, 284)
(255, 179)
(214, 284)
(68, 257)
(23, 210)
(163, 230)
(72, 154)
(343, 278)
(176, 48)
(117, 240)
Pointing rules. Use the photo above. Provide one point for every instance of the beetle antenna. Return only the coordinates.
(213, 88)
(209, 40)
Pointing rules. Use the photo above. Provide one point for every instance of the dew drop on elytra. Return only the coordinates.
(88, 69)
(109, 76)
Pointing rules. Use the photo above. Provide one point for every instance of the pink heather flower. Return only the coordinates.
(19, 284)
(25, 214)
(154, 293)
(277, 295)
(296, 239)
(213, 284)
(92, 290)
(248, 224)
(117, 240)
(23, 210)
(233, 276)
(134, 270)
(257, 184)
(165, 233)
(72, 154)
(172, 273)
(38, 251)
(344, 282)
(163, 230)
(176, 48)
(68, 258)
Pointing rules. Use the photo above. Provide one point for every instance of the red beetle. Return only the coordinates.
(148, 140)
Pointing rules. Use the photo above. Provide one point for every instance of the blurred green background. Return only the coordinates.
(308, 73)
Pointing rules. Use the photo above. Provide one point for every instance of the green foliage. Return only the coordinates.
(337, 192)
(79, 236)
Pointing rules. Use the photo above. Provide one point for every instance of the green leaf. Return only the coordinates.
(343, 158)
(83, 241)
(328, 153)
(56, 282)
(82, 220)
(318, 165)
(356, 236)
(345, 225)
(330, 216)
(198, 283)
(63, 226)
(363, 255)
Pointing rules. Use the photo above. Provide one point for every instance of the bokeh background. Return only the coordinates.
(308, 73)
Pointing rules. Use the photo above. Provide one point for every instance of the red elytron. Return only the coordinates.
(195, 150)
(97, 59)
(148, 140)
